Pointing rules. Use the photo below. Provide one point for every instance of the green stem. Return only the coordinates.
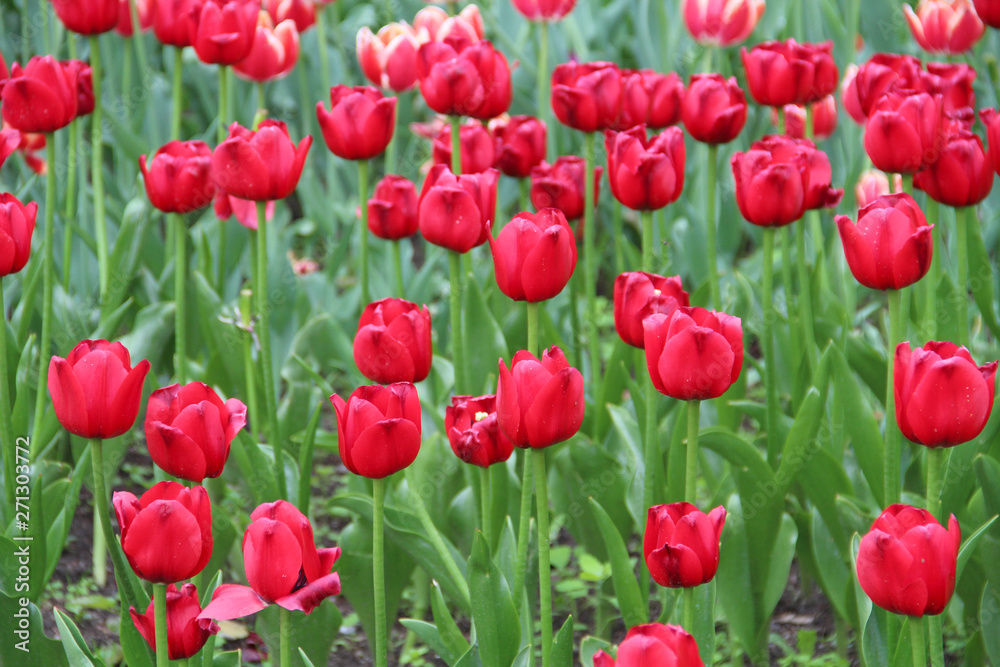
(45, 342)
(525, 199)
(617, 225)
(6, 417)
(378, 562)
(590, 284)
(523, 525)
(180, 289)
(102, 514)
(770, 370)
(457, 339)
(324, 54)
(935, 639)
(126, 69)
(934, 272)
(177, 94)
(285, 624)
(486, 503)
(74, 133)
(140, 46)
(907, 183)
(805, 294)
(220, 132)
(366, 296)
(691, 460)
(544, 571)
(917, 637)
(542, 74)
(646, 220)
(97, 168)
(935, 465)
(962, 216)
(160, 622)
(710, 224)
(892, 434)
(261, 105)
(652, 464)
(533, 345)
(264, 332)
(789, 287)
(456, 145)
(397, 263)
(689, 605)
(249, 369)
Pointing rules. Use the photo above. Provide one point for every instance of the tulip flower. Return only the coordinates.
(906, 563)
(178, 178)
(890, 247)
(378, 429)
(478, 148)
(549, 11)
(588, 96)
(693, 354)
(534, 255)
(10, 141)
(872, 184)
(223, 31)
(474, 81)
(96, 391)
(639, 295)
(41, 97)
(166, 533)
(645, 173)
(953, 82)
(824, 116)
(780, 73)
(84, 86)
(393, 343)
(681, 544)
(144, 8)
(259, 165)
(189, 430)
(650, 98)
(772, 182)
(991, 119)
(360, 122)
(818, 192)
(274, 52)
(283, 567)
(988, 11)
(473, 431)
(185, 633)
(174, 21)
(722, 22)
(962, 174)
(30, 146)
(17, 223)
(539, 402)
(654, 644)
(300, 12)
(455, 210)
(904, 131)
(520, 145)
(432, 24)
(392, 211)
(714, 110)
(882, 72)
(389, 58)
(944, 26)
(560, 185)
(87, 18)
(943, 398)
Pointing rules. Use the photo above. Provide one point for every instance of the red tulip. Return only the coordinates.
(84, 86)
(588, 96)
(891, 246)
(681, 544)
(378, 429)
(539, 403)
(389, 58)
(654, 645)
(991, 119)
(393, 343)
(906, 563)
(722, 22)
(167, 533)
(882, 73)
(693, 354)
(360, 122)
(904, 131)
(185, 633)
(92, 17)
(772, 182)
(473, 431)
(283, 566)
(944, 26)
(953, 82)
(962, 175)
(17, 223)
(178, 177)
(300, 12)
(650, 98)
(824, 117)
(10, 141)
(639, 295)
(274, 52)
(432, 24)
(244, 210)
(223, 31)
(456, 210)
(780, 73)
(259, 165)
(478, 148)
(174, 21)
(645, 174)
(873, 184)
(520, 145)
(31, 145)
(534, 255)
(95, 390)
(942, 398)
(818, 192)
(41, 97)
(714, 110)
(988, 11)
(392, 211)
(544, 10)
(144, 8)
(474, 81)
(560, 185)
(189, 430)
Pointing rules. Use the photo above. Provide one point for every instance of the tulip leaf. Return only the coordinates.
(498, 627)
(628, 451)
(471, 658)
(430, 635)
(703, 629)
(957, 483)
(801, 441)
(990, 620)
(77, 651)
(302, 654)
(980, 274)
(832, 565)
(523, 658)
(780, 565)
(233, 659)
(590, 646)
(633, 610)
(562, 645)
(486, 342)
(452, 639)
(823, 479)
(866, 438)
(136, 651)
(734, 580)
(59, 530)
(124, 256)
(25, 643)
(968, 548)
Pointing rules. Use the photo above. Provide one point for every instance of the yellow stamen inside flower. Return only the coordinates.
(480, 416)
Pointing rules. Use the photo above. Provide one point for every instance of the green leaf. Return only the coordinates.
(630, 602)
(562, 645)
(498, 627)
(305, 659)
(780, 564)
(703, 629)
(801, 440)
(591, 645)
(629, 453)
(981, 274)
(990, 621)
(834, 573)
(969, 546)
(26, 646)
(77, 651)
(868, 445)
(734, 581)
(452, 640)
(233, 659)
(470, 659)
(485, 338)
(429, 634)
(59, 530)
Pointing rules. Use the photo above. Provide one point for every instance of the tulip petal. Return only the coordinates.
(272, 558)
(312, 594)
(233, 601)
(164, 542)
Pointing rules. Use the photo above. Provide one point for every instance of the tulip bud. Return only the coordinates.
(167, 533)
(17, 224)
(274, 52)
(393, 343)
(942, 398)
(561, 185)
(882, 72)
(174, 21)
(890, 247)
(588, 96)
(772, 182)
(455, 210)
(41, 97)
(549, 11)
(389, 58)
(478, 148)
(962, 175)
(300, 12)
(474, 81)
(534, 255)
(539, 403)
(991, 119)
(639, 295)
(907, 561)
(178, 178)
(824, 117)
(654, 644)
(520, 145)
(944, 26)
(392, 211)
(681, 544)
(714, 109)
(87, 18)
(360, 122)
(378, 429)
(650, 98)
(646, 174)
(223, 31)
(904, 131)
(873, 184)
(473, 431)
(185, 633)
(780, 73)
(818, 192)
(84, 86)
(953, 82)
(144, 8)
(722, 23)
(259, 165)
(988, 11)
